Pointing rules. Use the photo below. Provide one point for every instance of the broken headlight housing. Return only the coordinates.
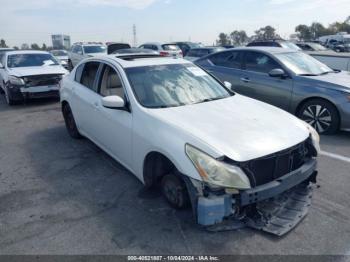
(315, 137)
(16, 81)
(215, 172)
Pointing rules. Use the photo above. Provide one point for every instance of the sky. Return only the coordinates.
(33, 21)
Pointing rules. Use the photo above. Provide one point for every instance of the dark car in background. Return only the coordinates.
(135, 51)
(186, 46)
(275, 43)
(197, 53)
(289, 79)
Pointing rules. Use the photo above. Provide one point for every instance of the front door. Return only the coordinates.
(256, 82)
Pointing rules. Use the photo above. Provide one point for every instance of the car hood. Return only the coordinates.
(238, 127)
(339, 81)
(37, 70)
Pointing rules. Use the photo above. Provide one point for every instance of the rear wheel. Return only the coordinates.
(321, 115)
(70, 122)
(175, 192)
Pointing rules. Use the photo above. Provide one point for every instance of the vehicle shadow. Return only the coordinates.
(87, 188)
(29, 104)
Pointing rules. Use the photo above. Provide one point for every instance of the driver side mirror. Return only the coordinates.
(113, 102)
(1, 66)
(277, 73)
(228, 85)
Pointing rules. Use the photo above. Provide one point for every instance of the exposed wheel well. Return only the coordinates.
(156, 165)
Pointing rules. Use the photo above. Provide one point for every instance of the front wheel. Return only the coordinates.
(9, 101)
(321, 115)
(175, 192)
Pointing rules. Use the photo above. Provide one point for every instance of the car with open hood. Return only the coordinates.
(289, 79)
(173, 125)
(30, 74)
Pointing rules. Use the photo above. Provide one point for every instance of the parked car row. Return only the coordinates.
(176, 127)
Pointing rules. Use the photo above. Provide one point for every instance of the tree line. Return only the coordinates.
(34, 46)
(302, 32)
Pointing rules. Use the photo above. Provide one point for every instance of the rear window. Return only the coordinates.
(170, 47)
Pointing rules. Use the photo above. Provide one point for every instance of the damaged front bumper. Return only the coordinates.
(275, 207)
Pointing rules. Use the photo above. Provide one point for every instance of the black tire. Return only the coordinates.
(70, 65)
(321, 115)
(174, 191)
(9, 101)
(70, 122)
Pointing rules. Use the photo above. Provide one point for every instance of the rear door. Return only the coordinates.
(226, 66)
(256, 82)
(85, 97)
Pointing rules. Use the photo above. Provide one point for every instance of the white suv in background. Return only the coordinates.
(80, 51)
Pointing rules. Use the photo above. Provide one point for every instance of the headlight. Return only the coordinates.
(16, 81)
(314, 136)
(215, 172)
(63, 62)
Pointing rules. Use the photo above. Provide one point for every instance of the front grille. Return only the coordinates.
(42, 80)
(264, 170)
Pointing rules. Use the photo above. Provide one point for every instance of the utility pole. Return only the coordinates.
(134, 33)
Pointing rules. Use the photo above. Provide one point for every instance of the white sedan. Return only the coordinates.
(173, 125)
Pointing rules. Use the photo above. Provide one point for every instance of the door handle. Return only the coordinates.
(245, 79)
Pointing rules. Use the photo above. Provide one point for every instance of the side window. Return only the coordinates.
(78, 73)
(110, 83)
(259, 62)
(89, 74)
(227, 59)
(154, 47)
(79, 49)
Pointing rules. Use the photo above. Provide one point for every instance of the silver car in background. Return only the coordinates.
(289, 79)
(168, 50)
(62, 56)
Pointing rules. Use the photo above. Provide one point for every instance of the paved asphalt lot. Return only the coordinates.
(63, 196)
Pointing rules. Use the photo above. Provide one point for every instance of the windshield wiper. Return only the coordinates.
(308, 75)
(209, 100)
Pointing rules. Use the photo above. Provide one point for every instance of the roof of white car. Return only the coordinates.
(147, 61)
(18, 52)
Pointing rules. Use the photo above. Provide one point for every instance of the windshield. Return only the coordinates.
(303, 64)
(94, 49)
(290, 45)
(26, 60)
(163, 86)
(59, 53)
(317, 47)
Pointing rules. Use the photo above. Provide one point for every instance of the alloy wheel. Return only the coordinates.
(319, 117)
